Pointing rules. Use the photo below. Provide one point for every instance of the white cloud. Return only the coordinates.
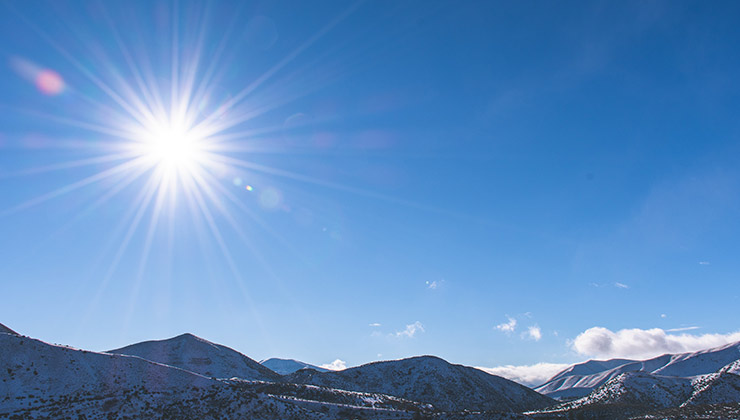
(529, 375)
(640, 344)
(507, 327)
(375, 324)
(411, 330)
(335, 365)
(663, 315)
(703, 262)
(436, 284)
(621, 285)
(534, 333)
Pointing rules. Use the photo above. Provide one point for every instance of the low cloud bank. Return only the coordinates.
(335, 365)
(636, 343)
(529, 375)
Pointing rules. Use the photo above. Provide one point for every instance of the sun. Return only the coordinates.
(172, 146)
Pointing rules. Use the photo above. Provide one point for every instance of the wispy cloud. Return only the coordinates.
(683, 329)
(432, 285)
(529, 375)
(534, 333)
(411, 330)
(703, 262)
(375, 324)
(638, 343)
(507, 327)
(335, 365)
(621, 285)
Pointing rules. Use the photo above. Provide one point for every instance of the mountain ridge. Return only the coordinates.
(430, 379)
(576, 382)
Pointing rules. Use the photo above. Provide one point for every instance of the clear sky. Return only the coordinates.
(484, 181)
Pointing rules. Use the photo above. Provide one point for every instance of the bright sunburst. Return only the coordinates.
(163, 134)
(173, 146)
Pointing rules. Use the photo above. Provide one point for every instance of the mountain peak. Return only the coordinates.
(201, 356)
(185, 337)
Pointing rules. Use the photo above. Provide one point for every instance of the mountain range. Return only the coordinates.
(187, 377)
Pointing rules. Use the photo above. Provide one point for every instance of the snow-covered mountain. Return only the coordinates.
(715, 388)
(637, 389)
(431, 380)
(288, 366)
(45, 381)
(197, 355)
(579, 380)
(635, 393)
(34, 373)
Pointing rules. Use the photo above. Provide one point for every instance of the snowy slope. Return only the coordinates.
(733, 367)
(642, 392)
(716, 388)
(288, 366)
(430, 380)
(700, 362)
(33, 372)
(197, 355)
(579, 380)
(638, 389)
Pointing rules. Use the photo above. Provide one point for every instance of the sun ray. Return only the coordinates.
(216, 232)
(146, 196)
(68, 165)
(153, 101)
(282, 63)
(73, 186)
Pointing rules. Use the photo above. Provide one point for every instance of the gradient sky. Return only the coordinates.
(482, 181)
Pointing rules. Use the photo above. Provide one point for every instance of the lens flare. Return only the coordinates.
(49, 82)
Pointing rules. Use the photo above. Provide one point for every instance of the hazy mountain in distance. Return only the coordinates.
(288, 366)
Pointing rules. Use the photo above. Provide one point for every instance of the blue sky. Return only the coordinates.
(488, 182)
